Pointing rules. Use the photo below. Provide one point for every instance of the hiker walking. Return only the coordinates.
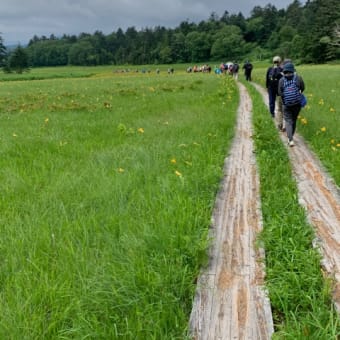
(279, 116)
(235, 70)
(248, 67)
(273, 75)
(291, 85)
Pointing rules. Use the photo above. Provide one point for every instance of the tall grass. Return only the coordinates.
(107, 186)
(299, 295)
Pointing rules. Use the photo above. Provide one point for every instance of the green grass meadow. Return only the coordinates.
(108, 181)
(108, 185)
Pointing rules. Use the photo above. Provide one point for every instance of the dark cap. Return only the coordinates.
(288, 68)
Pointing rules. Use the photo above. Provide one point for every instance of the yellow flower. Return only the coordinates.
(332, 141)
(304, 121)
(333, 148)
(15, 135)
(323, 129)
(140, 130)
(321, 102)
(46, 120)
(173, 161)
(338, 145)
(178, 173)
(332, 109)
(120, 170)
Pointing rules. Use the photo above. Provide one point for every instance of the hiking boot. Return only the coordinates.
(281, 128)
(291, 143)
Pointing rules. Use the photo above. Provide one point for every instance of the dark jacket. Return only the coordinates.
(273, 75)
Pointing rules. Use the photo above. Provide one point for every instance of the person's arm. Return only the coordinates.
(302, 84)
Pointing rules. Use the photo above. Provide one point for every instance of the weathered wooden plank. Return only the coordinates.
(320, 196)
(231, 302)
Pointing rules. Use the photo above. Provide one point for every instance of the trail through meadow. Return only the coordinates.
(231, 300)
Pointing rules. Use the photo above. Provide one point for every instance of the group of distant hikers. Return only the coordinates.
(231, 68)
(285, 89)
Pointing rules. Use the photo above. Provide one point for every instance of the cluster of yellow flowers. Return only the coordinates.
(303, 120)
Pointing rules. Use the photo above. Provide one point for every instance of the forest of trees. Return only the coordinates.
(308, 33)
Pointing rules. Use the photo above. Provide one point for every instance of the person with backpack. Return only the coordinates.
(248, 67)
(291, 85)
(273, 75)
(235, 70)
(279, 117)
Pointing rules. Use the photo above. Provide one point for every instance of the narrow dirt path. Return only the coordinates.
(230, 301)
(319, 195)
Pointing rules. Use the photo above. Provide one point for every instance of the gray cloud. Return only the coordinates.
(21, 20)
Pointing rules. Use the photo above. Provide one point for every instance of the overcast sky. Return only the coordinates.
(20, 20)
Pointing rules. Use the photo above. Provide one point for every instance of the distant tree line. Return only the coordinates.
(307, 33)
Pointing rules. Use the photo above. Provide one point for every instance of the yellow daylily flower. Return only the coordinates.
(178, 173)
(323, 129)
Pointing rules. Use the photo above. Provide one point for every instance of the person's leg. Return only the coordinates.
(288, 116)
(279, 113)
(295, 113)
(271, 97)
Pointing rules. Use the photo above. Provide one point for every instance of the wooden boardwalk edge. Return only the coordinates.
(231, 301)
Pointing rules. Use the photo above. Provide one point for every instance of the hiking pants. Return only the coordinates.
(279, 111)
(272, 93)
(290, 114)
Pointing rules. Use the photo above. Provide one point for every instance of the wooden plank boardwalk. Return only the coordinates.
(320, 197)
(230, 301)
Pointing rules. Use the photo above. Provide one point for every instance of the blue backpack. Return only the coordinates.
(291, 92)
